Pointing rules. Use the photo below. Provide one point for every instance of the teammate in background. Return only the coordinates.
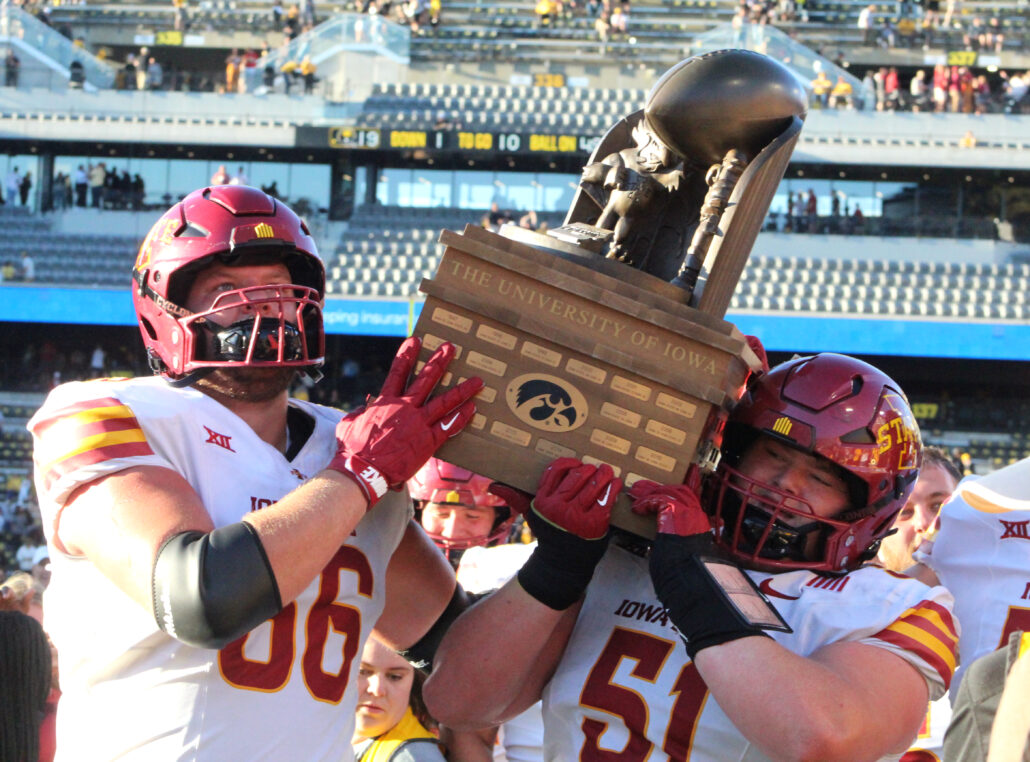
(220, 552)
(981, 553)
(457, 510)
(392, 722)
(938, 477)
(818, 458)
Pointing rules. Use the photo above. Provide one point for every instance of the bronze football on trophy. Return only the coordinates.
(729, 99)
(587, 345)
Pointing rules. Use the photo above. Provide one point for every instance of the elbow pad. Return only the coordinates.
(210, 588)
(421, 654)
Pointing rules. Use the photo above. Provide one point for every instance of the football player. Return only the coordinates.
(220, 551)
(938, 478)
(981, 553)
(457, 509)
(818, 458)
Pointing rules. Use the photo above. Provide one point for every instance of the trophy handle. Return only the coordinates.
(743, 219)
(721, 179)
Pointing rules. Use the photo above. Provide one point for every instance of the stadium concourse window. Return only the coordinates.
(466, 189)
(838, 206)
(23, 163)
(167, 180)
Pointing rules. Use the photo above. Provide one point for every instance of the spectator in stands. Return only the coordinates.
(232, 71)
(26, 553)
(139, 192)
(940, 88)
(886, 37)
(546, 12)
(891, 89)
(982, 96)
(291, 26)
(994, 36)
(240, 178)
(603, 25)
(24, 188)
(1014, 90)
(307, 13)
(12, 65)
(974, 36)
(249, 80)
(129, 72)
(434, 12)
(97, 177)
(620, 19)
(968, 140)
(155, 74)
(917, 91)
(498, 216)
(867, 24)
(181, 15)
(81, 183)
(12, 184)
(307, 73)
(811, 211)
(28, 268)
(220, 177)
(954, 90)
(61, 192)
(277, 15)
(97, 362)
(821, 87)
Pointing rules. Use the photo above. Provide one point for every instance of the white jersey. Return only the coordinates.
(520, 739)
(286, 690)
(929, 743)
(625, 685)
(982, 554)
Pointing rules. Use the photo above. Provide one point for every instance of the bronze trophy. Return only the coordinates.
(601, 340)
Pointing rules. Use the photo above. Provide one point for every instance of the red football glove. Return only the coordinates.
(383, 444)
(569, 518)
(677, 507)
(756, 346)
(577, 498)
(517, 500)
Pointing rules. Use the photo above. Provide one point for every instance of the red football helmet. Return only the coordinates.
(835, 407)
(441, 482)
(233, 224)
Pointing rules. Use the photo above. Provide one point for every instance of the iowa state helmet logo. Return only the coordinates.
(546, 402)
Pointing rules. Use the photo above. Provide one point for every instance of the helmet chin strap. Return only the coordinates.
(191, 378)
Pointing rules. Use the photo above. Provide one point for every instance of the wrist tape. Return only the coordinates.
(364, 474)
(561, 566)
(696, 603)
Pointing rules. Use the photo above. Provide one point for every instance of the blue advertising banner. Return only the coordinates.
(396, 318)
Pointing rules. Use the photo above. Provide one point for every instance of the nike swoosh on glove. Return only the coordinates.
(569, 516)
(383, 444)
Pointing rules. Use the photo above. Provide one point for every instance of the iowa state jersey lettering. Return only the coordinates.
(280, 687)
(625, 688)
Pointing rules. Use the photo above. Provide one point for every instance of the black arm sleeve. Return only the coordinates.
(421, 654)
(210, 588)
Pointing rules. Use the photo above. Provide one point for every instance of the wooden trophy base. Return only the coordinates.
(579, 360)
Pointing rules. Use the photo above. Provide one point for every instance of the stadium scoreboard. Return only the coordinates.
(470, 141)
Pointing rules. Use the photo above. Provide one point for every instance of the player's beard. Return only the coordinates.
(247, 384)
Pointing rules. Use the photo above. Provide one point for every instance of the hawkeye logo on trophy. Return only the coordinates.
(604, 339)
